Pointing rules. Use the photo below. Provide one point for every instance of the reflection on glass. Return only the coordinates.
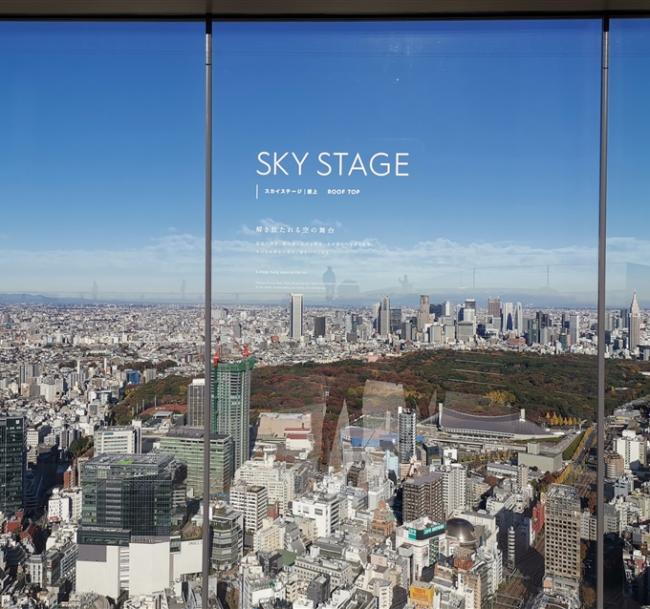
(626, 323)
(100, 267)
(406, 245)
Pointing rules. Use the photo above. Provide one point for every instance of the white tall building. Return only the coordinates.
(252, 501)
(632, 448)
(519, 319)
(454, 488)
(276, 476)
(507, 317)
(635, 324)
(195, 401)
(296, 312)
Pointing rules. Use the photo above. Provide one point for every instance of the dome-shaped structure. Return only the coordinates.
(462, 531)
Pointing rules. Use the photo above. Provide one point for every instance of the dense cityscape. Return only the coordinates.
(476, 501)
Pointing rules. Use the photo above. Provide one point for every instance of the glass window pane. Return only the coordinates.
(101, 259)
(626, 323)
(406, 240)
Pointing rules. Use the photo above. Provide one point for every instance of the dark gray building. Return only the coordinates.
(125, 495)
(12, 463)
(423, 496)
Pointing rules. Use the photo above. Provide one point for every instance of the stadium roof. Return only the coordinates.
(507, 424)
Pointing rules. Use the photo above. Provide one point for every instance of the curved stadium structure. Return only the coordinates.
(508, 426)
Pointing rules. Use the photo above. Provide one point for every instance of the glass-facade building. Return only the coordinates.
(128, 494)
(231, 395)
(186, 445)
(12, 463)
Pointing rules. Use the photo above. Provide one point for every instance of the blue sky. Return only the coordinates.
(101, 151)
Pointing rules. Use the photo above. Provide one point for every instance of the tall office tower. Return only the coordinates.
(424, 316)
(470, 303)
(507, 317)
(522, 477)
(574, 328)
(383, 317)
(532, 331)
(406, 422)
(28, 372)
(320, 326)
(296, 312)
(545, 327)
(121, 440)
(454, 484)
(130, 494)
(237, 329)
(562, 544)
(635, 324)
(12, 463)
(442, 309)
(124, 541)
(186, 444)
(519, 319)
(231, 400)
(494, 307)
(195, 397)
(395, 323)
(252, 501)
(423, 496)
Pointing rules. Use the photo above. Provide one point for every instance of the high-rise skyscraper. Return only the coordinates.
(395, 320)
(574, 328)
(507, 317)
(519, 319)
(231, 401)
(124, 541)
(126, 495)
(442, 309)
(424, 315)
(423, 496)
(494, 307)
(406, 420)
(562, 562)
(320, 325)
(186, 444)
(12, 463)
(251, 500)
(195, 397)
(634, 324)
(296, 312)
(454, 485)
(383, 317)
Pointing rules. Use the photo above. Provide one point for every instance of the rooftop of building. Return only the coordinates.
(193, 433)
(424, 478)
(109, 459)
(507, 424)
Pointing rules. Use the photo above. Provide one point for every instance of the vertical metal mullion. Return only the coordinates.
(207, 394)
(602, 243)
